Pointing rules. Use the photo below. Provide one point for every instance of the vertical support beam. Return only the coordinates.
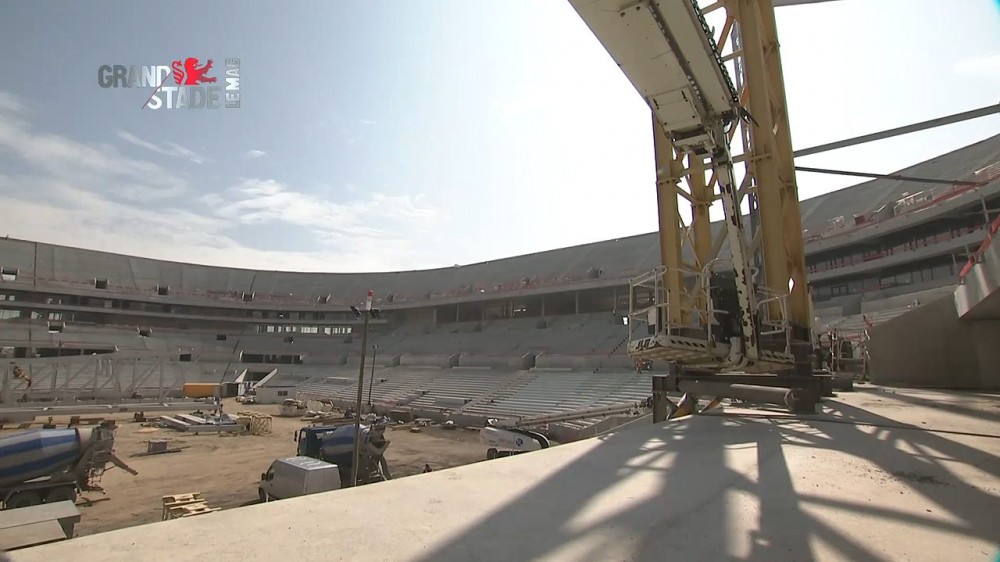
(668, 173)
(701, 226)
(576, 302)
(799, 302)
(771, 160)
(700, 223)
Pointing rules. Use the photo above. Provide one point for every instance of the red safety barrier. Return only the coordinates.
(974, 258)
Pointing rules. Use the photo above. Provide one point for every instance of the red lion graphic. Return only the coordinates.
(189, 74)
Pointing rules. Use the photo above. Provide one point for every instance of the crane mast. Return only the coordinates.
(702, 309)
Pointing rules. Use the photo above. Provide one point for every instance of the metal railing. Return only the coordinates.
(772, 308)
(977, 256)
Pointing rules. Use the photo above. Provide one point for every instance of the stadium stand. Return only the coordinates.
(535, 333)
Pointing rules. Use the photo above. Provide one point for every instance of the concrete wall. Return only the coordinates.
(387, 360)
(515, 362)
(931, 347)
(617, 361)
(981, 284)
(414, 360)
(560, 361)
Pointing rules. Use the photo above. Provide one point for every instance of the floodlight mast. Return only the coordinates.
(367, 313)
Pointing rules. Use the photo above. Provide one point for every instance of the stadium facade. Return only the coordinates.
(872, 249)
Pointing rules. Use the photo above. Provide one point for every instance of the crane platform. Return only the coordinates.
(878, 475)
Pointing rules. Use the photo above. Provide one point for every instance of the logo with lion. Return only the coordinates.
(190, 74)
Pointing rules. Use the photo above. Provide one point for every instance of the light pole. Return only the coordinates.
(371, 380)
(368, 313)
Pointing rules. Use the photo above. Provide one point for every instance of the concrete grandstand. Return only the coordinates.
(516, 337)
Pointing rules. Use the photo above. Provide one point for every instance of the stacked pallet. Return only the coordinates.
(254, 423)
(178, 506)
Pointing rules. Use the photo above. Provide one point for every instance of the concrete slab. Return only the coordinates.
(879, 475)
(29, 526)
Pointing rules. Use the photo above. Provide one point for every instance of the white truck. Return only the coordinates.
(297, 476)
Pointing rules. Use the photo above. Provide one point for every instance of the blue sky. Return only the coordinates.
(397, 135)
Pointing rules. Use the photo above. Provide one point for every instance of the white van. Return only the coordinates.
(298, 476)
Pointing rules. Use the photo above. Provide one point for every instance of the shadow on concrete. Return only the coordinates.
(909, 396)
(693, 484)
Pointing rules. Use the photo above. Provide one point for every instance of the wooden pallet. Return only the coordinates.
(177, 506)
(190, 510)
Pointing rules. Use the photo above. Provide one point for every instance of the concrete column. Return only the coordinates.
(576, 302)
(5, 389)
(661, 403)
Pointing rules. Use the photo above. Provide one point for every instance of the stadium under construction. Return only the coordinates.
(874, 251)
(631, 367)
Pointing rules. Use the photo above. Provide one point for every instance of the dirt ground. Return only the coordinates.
(226, 468)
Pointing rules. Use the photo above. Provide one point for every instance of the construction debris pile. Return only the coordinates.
(198, 422)
(254, 423)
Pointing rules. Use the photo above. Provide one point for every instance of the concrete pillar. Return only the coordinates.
(661, 403)
(5, 389)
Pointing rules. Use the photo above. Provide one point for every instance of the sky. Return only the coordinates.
(386, 136)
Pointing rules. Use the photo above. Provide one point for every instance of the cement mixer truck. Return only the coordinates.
(50, 465)
(335, 445)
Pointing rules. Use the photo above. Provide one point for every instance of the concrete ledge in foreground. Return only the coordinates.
(850, 484)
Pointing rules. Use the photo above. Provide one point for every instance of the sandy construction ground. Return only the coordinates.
(226, 468)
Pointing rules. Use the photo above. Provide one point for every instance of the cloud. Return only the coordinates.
(254, 154)
(168, 148)
(62, 191)
(366, 121)
(10, 103)
(377, 216)
(980, 66)
(98, 166)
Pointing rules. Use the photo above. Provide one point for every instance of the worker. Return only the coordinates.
(823, 350)
(427, 468)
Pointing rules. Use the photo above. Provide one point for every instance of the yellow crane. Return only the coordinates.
(737, 300)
